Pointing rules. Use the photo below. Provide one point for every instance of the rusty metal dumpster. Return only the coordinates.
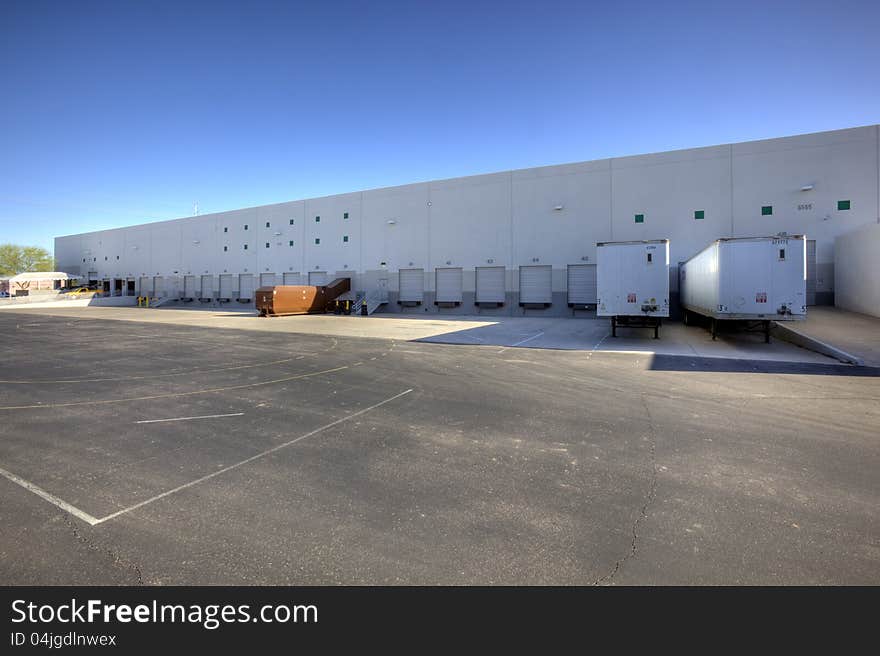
(280, 300)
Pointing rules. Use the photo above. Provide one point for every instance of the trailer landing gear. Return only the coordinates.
(636, 322)
(749, 326)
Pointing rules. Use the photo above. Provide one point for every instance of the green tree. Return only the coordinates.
(15, 259)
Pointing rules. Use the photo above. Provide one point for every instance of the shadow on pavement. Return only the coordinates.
(729, 365)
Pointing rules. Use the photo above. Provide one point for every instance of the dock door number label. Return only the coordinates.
(630, 298)
(761, 297)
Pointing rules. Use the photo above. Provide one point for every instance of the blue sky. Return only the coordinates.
(114, 113)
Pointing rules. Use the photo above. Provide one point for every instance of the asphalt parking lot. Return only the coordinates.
(161, 453)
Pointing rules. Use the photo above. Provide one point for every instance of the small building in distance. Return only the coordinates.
(37, 282)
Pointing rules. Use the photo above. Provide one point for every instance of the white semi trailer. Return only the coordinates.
(632, 283)
(752, 279)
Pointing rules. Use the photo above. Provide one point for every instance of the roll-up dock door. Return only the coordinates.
(267, 280)
(412, 285)
(246, 287)
(536, 285)
(158, 286)
(811, 272)
(318, 277)
(291, 278)
(448, 285)
(207, 287)
(226, 286)
(189, 286)
(145, 286)
(581, 284)
(490, 285)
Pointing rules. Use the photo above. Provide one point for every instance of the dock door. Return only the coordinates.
(449, 285)
(581, 284)
(207, 285)
(811, 272)
(412, 286)
(246, 288)
(318, 277)
(536, 285)
(189, 286)
(490, 285)
(225, 287)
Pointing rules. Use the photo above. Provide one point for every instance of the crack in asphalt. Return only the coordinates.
(643, 514)
(118, 560)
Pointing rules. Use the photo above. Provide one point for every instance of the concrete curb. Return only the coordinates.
(110, 301)
(789, 334)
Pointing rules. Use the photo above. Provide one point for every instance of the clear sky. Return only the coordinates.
(114, 113)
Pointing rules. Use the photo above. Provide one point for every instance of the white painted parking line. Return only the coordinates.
(51, 498)
(175, 394)
(251, 459)
(157, 421)
(522, 341)
(529, 339)
(93, 521)
(599, 343)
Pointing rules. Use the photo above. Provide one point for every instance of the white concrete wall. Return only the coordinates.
(508, 219)
(857, 270)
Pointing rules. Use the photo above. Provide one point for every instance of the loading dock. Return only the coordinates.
(317, 277)
(245, 288)
(189, 288)
(292, 278)
(267, 280)
(206, 292)
(490, 286)
(811, 272)
(449, 284)
(581, 285)
(536, 286)
(412, 287)
(225, 295)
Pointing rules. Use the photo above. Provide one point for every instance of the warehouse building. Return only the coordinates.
(517, 242)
